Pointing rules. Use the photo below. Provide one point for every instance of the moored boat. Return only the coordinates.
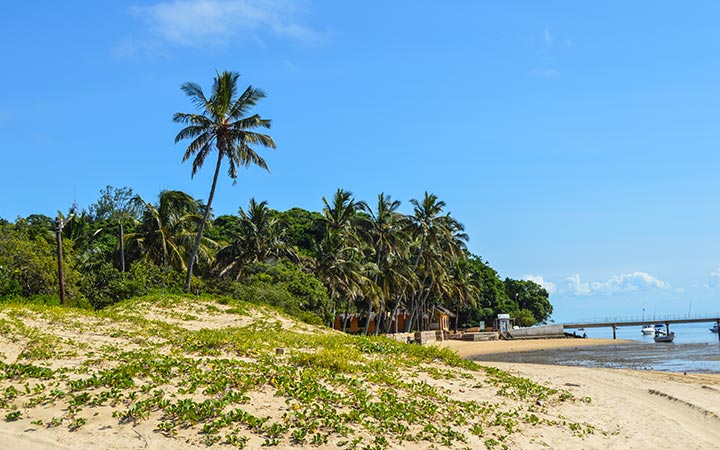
(667, 337)
(648, 330)
(714, 328)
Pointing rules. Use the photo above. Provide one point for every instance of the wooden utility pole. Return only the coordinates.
(61, 272)
(122, 248)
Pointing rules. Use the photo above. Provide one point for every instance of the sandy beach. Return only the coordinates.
(631, 409)
(468, 349)
(602, 409)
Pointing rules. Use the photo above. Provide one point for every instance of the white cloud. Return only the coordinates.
(628, 282)
(202, 22)
(573, 285)
(714, 278)
(547, 285)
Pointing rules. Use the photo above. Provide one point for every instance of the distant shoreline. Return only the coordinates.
(630, 409)
(468, 349)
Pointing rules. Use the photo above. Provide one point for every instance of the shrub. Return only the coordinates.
(283, 285)
(106, 285)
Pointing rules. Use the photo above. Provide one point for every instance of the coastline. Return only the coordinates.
(468, 349)
(607, 408)
(629, 409)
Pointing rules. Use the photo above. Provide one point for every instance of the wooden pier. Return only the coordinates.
(615, 323)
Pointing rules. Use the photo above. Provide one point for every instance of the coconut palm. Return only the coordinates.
(261, 238)
(339, 255)
(225, 126)
(168, 229)
(440, 239)
(339, 268)
(385, 236)
(340, 215)
(464, 287)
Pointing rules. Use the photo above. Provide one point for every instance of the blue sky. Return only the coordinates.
(577, 142)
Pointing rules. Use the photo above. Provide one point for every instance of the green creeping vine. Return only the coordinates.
(350, 392)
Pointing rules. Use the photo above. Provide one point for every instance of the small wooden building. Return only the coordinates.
(441, 319)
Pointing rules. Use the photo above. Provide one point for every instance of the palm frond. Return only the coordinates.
(202, 141)
(248, 99)
(200, 158)
(190, 132)
(248, 123)
(245, 156)
(195, 92)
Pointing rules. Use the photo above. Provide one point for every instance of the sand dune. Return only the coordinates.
(608, 409)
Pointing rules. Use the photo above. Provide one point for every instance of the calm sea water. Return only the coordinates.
(695, 350)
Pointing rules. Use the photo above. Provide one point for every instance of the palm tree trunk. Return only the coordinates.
(393, 317)
(457, 315)
(414, 307)
(347, 314)
(411, 318)
(370, 316)
(334, 308)
(202, 224)
(424, 312)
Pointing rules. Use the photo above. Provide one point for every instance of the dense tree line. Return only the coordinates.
(351, 257)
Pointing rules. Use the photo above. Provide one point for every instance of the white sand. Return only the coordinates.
(631, 409)
(627, 409)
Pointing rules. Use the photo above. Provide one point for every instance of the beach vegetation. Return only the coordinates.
(208, 368)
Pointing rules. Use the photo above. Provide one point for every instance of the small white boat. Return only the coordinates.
(667, 337)
(648, 330)
(714, 328)
(659, 329)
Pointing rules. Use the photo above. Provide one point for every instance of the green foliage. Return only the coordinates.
(351, 258)
(525, 318)
(524, 300)
(114, 203)
(107, 285)
(283, 285)
(27, 263)
(260, 238)
(36, 226)
(531, 298)
(167, 230)
(304, 228)
(336, 360)
(224, 228)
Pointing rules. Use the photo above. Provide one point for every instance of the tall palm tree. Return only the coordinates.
(440, 239)
(386, 239)
(339, 256)
(223, 125)
(339, 268)
(464, 287)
